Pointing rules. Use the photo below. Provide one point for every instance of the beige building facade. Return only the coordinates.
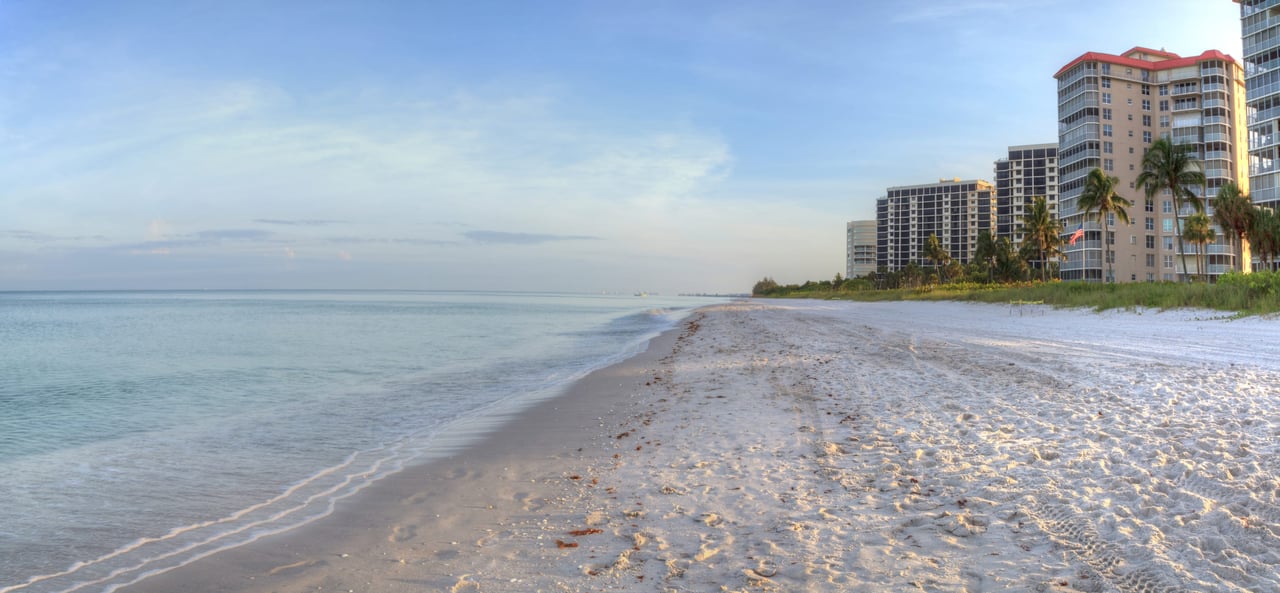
(1111, 108)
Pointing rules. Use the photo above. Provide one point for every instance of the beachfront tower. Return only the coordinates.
(1110, 110)
(1260, 30)
(860, 248)
(954, 210)
(1028, 172)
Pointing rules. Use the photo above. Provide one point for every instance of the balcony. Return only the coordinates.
(1181, 89)
(1208, 103)
(1217, 137)
(1207, 72)
(1084, 72)
(1079, 156)
(1216, 172)
(1064, 127)
(1214, 86)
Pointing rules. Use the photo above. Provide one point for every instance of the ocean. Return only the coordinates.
(142, 430)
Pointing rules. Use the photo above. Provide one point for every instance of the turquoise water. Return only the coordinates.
(140, 430)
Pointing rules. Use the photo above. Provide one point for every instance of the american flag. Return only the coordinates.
(1076, 235)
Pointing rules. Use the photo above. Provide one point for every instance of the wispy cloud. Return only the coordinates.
(235, 235)
(38, 237)
(950, 9)
(298, 222)
(522, 238)
(387, 241)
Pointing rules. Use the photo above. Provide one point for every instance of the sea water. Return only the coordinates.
(142, 430)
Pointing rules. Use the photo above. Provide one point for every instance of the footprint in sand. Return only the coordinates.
(403, 533)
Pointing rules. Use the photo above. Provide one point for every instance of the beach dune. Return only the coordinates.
(812, 446)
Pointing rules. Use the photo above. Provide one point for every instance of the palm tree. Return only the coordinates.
(1040, 229)
(1264, 235)
(1200, 233)
(986, 253)
(934, 251)
(1233, 212)
(1009, 266)
(1100, 195)
(1172, 167)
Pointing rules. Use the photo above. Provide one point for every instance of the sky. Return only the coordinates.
(585, 146)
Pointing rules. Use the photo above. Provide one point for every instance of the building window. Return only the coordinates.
(1106, 113)
(1150, 224)
(1166, 207)
(1106, 98)
(1130, 133)
(1151, 260)
(1106, 83)
(1167, 225)
(1151, 241)
(1168, 243)
(1106, 68)
(1146, 104)
(1108, 165)
(1164, 121)
(1164, 90)
(1146, 120)
(1150, 205)
(1106, 130)
(1130, 166)
(1168, 264)
(1164, 105)
(1130, 117)
(1128, 101)
(1146, 137)
(1146, 89)
(1108, 146)
(1111, 255)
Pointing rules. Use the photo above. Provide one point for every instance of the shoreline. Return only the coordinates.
(831, 447)
(491, 472)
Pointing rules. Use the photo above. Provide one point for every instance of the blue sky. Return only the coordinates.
(596, 145)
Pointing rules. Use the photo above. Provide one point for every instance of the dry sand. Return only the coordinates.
(808, 446)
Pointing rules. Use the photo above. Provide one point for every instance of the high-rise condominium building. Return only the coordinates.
(954, 210)
(860, 248)
(1110, 110)
(1260, 29)
(1028, 172)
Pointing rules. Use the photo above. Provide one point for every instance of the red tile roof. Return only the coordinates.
(1173, 60)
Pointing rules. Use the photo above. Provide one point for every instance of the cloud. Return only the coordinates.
(299, 222)
(499, 237)
(387, 241)
(949, 10)
(235, 235)
(38, 237)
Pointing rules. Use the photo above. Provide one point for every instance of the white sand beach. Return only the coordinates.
(818, 446)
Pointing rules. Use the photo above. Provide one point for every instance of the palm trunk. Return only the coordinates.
(1110, 272)
(1177, 223)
